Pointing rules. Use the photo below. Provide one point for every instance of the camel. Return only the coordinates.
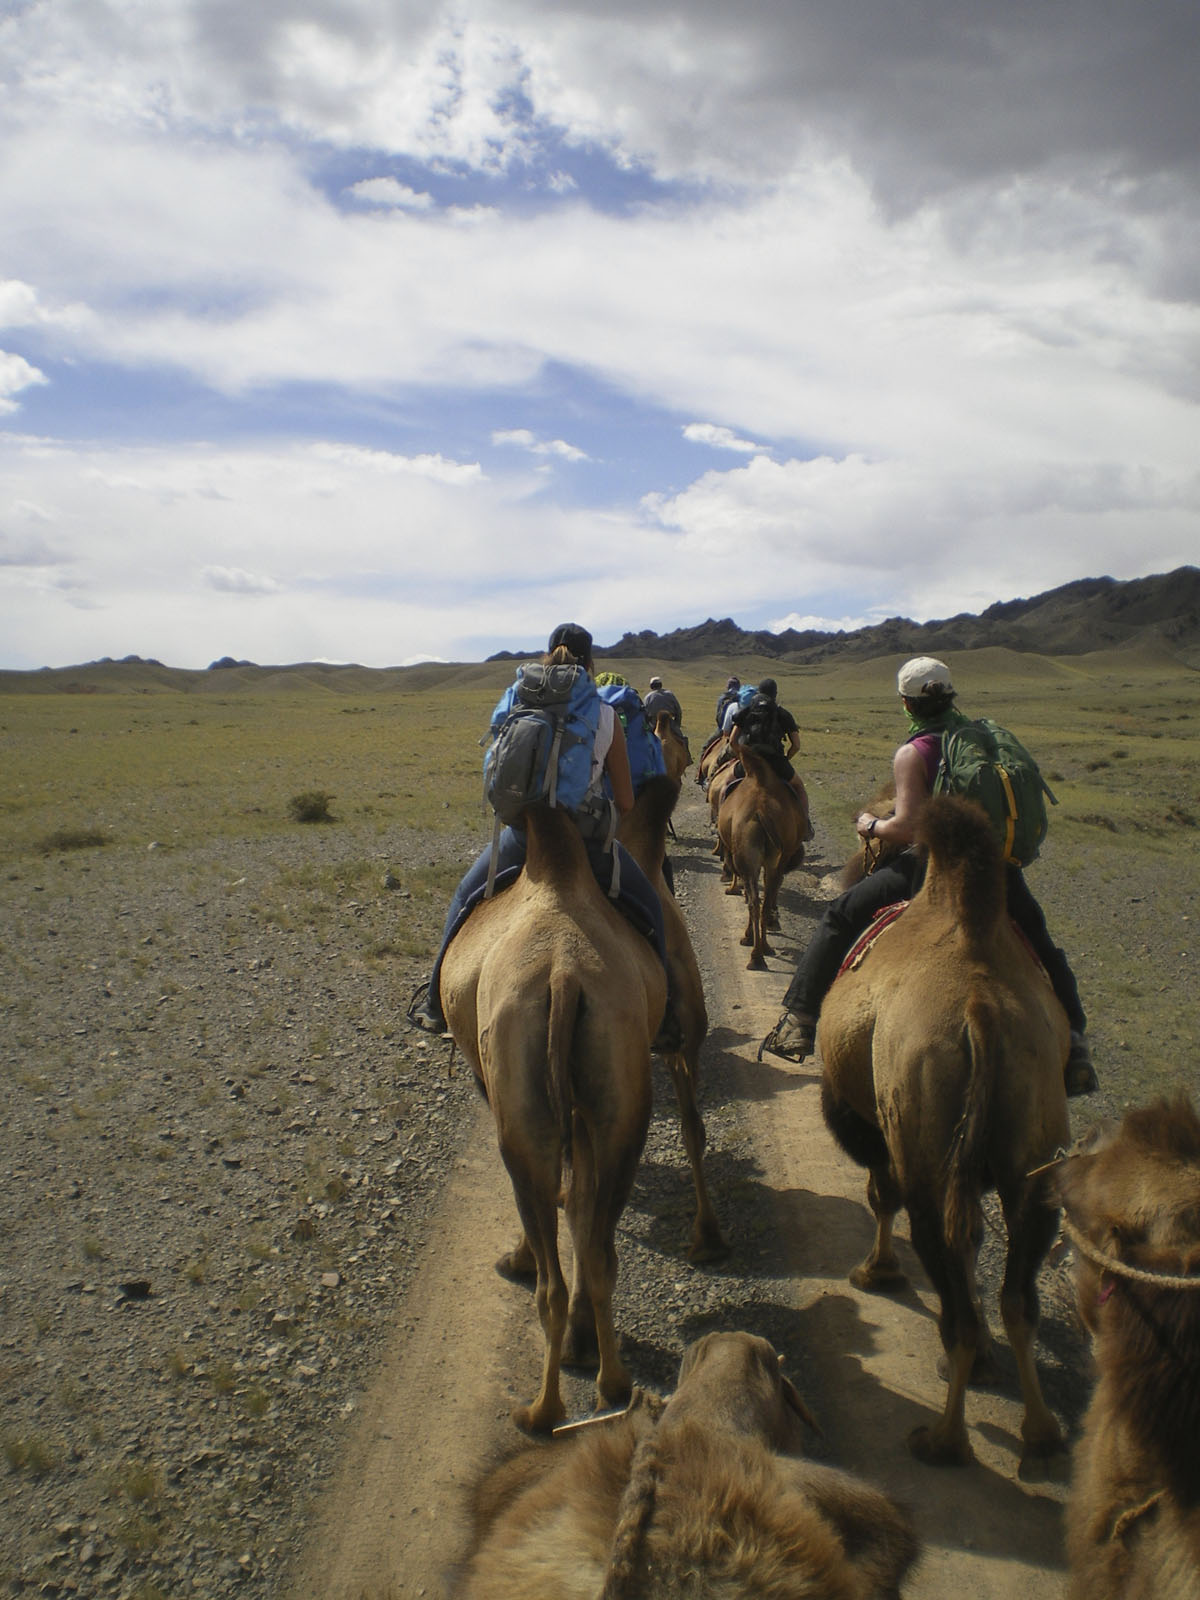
(642, 835)
(761, 831)
(1131, 1204)
(676, 755)
(943, 1055)
(715, 754)
(554, 998)
(703, 1495)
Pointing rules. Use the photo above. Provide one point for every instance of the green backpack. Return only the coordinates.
(988, 764)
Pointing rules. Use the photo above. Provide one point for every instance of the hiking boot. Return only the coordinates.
(1079, 1075)
(793, 1037)
(668, 1041)
(423, 1014)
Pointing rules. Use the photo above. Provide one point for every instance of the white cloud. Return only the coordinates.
(525, 440)
(718, 438)
(16, 375)
(390, 192)
(233, 580)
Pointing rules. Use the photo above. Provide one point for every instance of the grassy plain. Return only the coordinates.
(1117, 734)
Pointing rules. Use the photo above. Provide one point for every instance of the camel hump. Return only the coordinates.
(965, 865)
(555, 851)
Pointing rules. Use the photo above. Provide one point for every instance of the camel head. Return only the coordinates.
(1133, 1192)
(733, 1383)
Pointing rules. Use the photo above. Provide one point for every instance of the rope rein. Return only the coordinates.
(1122, 1269)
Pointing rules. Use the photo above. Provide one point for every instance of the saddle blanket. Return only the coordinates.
(883, 920)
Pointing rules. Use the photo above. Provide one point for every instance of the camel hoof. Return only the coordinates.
(1045, 1464)
(756, 964)
(933, 1451)
(530, 1420)
(746, 939)
(878, 1279)
(517, 1267)
(709, 1245)
(733, 889)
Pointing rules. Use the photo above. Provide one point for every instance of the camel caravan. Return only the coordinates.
(944, 1049)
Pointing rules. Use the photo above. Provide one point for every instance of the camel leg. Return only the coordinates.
(541, 1232)
(594, 1205)
(881, 1272)
(707, 1244)
(946, 1444)
(1031, 1229)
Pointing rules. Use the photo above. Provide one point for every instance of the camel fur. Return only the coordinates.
(761, 830)
(643, 832)
(943, 1057)
(1132, 1199)
(705, 1503)
(554, 998)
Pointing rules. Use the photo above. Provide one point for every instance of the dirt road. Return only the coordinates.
(467, 1346)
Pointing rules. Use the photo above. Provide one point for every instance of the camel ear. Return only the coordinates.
(1067, 1171)
(792, 1398)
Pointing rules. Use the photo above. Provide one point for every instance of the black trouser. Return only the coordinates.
(900, 879)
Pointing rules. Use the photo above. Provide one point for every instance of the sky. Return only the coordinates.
(384, 330)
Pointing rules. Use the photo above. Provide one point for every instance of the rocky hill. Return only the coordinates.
(1089, 614)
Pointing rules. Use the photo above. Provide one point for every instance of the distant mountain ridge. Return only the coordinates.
(1089, 614)
(1078, 618)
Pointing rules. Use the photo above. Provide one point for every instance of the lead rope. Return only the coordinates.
(1122, 1269)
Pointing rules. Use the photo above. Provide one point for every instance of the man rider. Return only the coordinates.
(658, 700)
(761, 726)
(928, 697)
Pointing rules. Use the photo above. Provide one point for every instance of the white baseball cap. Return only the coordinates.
(923, 675)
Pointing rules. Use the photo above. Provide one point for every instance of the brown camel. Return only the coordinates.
(676, 755)
(761, 831)
(943, 1059)
(703, 1495)
(1132, 1214)
(642, 833)
(554, 998)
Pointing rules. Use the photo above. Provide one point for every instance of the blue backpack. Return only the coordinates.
(645, 752)
(543, 733)
(745, 694)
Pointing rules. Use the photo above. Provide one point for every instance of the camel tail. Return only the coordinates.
(566, 993)
(966, 1163)
(769, 833)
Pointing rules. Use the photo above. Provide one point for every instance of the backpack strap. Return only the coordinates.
(490, 887)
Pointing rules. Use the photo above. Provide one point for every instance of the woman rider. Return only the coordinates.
(928, 696)
(571, 645)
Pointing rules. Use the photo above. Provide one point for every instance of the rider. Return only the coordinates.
(569, 644)
(658, 700)
(928, 696)
(761, 726)
(728, 698)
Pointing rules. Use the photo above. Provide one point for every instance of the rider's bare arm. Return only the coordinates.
(912, 791)
(616, 765)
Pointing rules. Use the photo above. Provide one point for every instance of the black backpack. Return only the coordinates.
(761, 726)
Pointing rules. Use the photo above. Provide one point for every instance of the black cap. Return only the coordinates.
(769, 687)
(576, 639)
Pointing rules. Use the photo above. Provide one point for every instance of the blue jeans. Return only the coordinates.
(637, 899)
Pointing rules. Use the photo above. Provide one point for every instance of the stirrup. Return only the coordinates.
(421, 1016)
